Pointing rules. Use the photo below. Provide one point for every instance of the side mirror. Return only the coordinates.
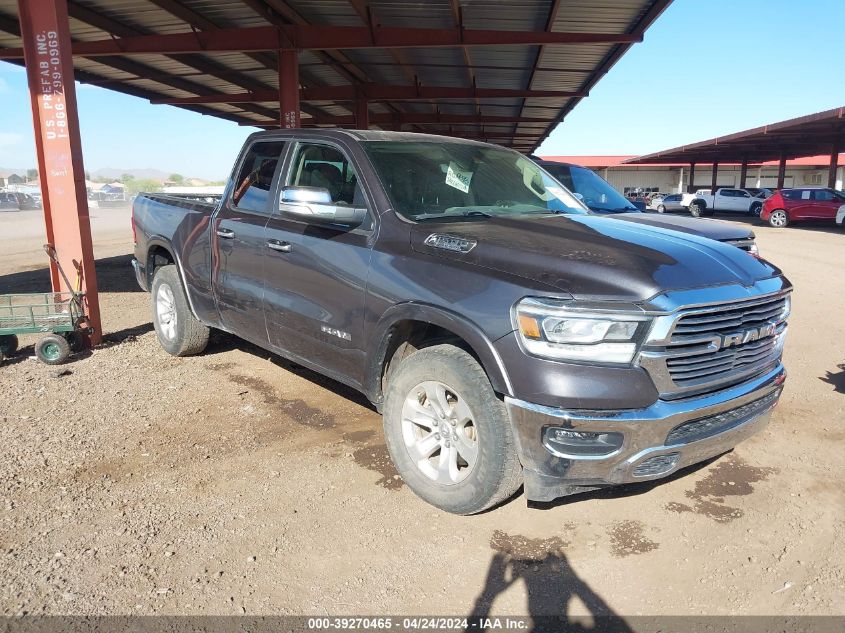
(314, 205)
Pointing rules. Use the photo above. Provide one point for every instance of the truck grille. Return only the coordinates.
(708, 348)
(726, 318)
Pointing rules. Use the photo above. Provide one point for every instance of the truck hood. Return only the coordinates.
(592, 257)
(713, 229)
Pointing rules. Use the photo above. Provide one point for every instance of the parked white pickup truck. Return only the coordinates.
(702, 202)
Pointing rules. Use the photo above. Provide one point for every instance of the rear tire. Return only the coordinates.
(52, 349)
(8, 344)
(778, 219)
(179, 332)
(473, 465)
(696, 209)
(661, 208)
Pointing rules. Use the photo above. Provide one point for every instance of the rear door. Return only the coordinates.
(315, 275)
(825, 204)
(238, 243)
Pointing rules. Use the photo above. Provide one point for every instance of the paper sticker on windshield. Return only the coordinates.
(558, 193)
(458, 178)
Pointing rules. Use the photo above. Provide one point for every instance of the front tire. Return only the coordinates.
(448, 433)
(661, 208)
(778, 219)
(756, 209)
(179, 332)
(696, 209)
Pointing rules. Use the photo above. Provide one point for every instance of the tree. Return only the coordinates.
(31, 174)
(134, 186)
(176, 178)
(124, 178)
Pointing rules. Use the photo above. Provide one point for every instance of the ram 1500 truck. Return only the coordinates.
(508, 336)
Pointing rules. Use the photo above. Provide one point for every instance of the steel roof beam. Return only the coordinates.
(308, 37)
(415, 118)
(372, 92)
(638, 31)
(109, 25)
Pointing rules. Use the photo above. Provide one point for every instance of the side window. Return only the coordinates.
(255, 178)
(327, 168)
(744, 194)
(806, 194)
(823, 195)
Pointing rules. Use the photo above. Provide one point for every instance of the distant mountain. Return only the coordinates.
(110, 173)
(20, 171)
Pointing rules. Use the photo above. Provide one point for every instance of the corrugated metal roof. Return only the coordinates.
(214, 75)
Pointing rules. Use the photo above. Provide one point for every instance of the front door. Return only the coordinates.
(315, 275)
(238, 239)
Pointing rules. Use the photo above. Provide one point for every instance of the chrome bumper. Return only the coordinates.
(745, 410)
(140, 275)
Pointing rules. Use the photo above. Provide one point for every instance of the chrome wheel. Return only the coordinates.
(439, 432)
(166, 312)
(778, 219)
(661, 208)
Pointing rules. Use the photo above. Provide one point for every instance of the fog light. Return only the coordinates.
(656, 465)
(569, 443)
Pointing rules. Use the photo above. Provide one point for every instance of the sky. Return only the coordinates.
(706, 68)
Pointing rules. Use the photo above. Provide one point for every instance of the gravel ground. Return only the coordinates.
(235, 482)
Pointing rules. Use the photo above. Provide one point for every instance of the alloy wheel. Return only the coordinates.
(439, 432)
(166, 311)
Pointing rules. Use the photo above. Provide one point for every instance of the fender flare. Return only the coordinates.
(157, 241)
(480, 344)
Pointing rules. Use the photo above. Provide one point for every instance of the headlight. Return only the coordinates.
(561, 331)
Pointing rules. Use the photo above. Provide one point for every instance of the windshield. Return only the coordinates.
(596, 193)
(457, 181)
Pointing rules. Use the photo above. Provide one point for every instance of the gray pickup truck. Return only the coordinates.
(509, 337)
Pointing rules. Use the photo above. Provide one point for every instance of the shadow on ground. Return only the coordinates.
(222, 342)
(837, 379)
(550, 583)
(114, 274)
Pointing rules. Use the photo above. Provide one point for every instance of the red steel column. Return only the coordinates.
(834, 164)
(289, 88)
(781, 170)
(362, 111)
(49, 68)
(713, 179)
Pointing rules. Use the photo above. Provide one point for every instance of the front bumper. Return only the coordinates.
(657, 440)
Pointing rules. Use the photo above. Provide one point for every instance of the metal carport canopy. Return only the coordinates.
(497, 69)
(811, 135)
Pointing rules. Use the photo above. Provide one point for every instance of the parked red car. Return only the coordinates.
(794, 205)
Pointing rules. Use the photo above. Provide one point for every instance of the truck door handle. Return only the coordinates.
(282, 247)
(225, 233)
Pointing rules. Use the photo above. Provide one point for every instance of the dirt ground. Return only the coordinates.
(236, 482)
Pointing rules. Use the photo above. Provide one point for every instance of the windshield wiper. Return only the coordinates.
(469, 213)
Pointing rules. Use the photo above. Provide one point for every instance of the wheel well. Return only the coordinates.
(406, 337)
(156, 258)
